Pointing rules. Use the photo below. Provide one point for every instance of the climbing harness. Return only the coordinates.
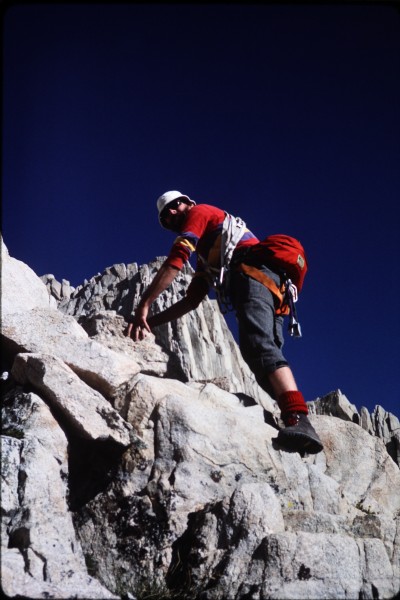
(286, 295)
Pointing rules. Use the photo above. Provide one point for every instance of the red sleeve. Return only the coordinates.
(178, 256)
(201, 219)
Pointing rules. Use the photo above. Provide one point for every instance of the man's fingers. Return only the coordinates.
(132, 331)
(140, 334)
(138, 331)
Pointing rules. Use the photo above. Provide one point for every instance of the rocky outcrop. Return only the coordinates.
(58, 290)
(41, 556)
(200, 346)
(386, 426)
(50, 332)
(153, 468)
(20, 286)
(380, 423)
(86, 409)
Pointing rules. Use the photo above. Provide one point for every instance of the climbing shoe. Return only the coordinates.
(299, 435)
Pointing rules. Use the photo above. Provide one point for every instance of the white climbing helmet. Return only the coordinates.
(168, 197)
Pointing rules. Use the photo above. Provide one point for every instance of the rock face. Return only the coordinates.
(20, 285)
(381, 423)
(153, 470)
(200, 346)
(37, 525)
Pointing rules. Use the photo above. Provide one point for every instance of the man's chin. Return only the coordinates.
(176, 225)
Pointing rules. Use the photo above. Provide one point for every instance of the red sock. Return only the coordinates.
(290, 402)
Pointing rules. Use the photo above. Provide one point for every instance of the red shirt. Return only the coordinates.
(201, 233)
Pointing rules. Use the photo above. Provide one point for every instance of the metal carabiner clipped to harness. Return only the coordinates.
(291, 298)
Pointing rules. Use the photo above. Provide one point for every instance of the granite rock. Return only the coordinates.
(153, 468)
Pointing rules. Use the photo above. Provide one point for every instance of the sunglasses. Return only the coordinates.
(165, 213)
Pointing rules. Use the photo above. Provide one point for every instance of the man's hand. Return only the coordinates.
(138, 326)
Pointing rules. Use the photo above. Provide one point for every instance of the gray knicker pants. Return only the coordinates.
(260, 329)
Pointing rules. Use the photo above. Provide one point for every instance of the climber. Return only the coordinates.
(201, 228)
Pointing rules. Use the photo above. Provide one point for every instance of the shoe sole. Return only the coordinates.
(298, 442)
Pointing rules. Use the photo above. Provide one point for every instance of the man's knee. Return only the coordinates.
(263, 373)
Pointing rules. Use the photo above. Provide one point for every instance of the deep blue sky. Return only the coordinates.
(287, 115)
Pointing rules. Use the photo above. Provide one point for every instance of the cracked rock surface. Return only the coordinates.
(43, 557)
(152, 469)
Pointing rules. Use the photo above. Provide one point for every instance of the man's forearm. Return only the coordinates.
(175, 311)
(141, 323)
(161, 282)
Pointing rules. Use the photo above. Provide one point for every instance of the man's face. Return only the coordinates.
(174, 214)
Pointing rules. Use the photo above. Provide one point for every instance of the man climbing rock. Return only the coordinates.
(229, 260)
